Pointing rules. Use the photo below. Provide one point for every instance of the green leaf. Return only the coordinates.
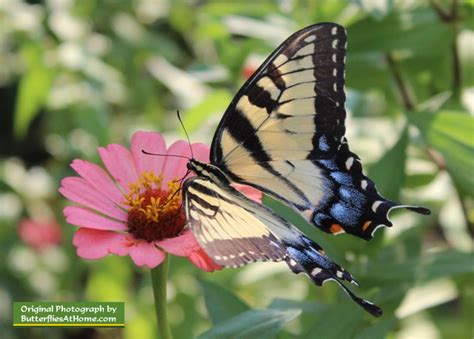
(388, 172)
(221, 303)
(33, 90)
(448, 263)
(253, 324)
(339, 321)
(419, 179)
(304, 306)
(366, 70)
(451, 133)
(419, 32)
(378, 329)
(214, 103)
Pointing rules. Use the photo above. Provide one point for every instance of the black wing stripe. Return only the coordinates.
(239, 131)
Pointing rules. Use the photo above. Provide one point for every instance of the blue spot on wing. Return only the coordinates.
(322, 261)
(342, 178)
(345, 213)
(352, 196)
(323, 143)
(329, 164)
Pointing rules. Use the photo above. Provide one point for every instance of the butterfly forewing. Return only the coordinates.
(284, 134)
(305, 75)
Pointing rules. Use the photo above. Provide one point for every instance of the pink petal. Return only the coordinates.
(99, 179)
(94, 244)
(80, 191)
(185, 245)
(119, 163)
(175, 167)
(201, 260)
(182, 245)
(151, 142)
(146, 253)
(82, 217)
(250, 192)
(123, 246)
(201, 151)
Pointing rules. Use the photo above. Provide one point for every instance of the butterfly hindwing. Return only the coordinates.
(230, 235)
(235, 231)
(284, 134)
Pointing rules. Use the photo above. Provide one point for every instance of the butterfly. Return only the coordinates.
(283, 133)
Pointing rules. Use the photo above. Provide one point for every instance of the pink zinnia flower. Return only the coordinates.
(138, 212)
(39, 234)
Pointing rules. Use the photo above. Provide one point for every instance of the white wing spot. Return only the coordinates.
(345, 45)
(242, 254)
(337, 104)
(310, 38)
(334, 57)
(232, 256)
(292, 262)
(316, 271)
(344, 59)
(339, 274)
(217, 257)
(376, 205)
(334, 87)
(349, 162)
(251, 252)
(363, 184)
(334, 43)
(224, 257)
(334, 30)
(334, 72)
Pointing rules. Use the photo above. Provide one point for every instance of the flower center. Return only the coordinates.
(154, 213)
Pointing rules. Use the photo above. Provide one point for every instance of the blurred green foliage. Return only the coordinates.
(79, 74)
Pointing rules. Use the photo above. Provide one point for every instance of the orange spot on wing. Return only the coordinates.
(335, 228)
(366, 225)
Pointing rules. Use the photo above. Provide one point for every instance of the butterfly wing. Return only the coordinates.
(235, 231)
(283, 133)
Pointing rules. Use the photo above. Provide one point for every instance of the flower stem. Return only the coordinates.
(158, 279)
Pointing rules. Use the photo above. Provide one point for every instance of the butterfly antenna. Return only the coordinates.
(164, 155)
(185, 132)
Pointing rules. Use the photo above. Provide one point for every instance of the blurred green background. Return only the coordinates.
(78, 74)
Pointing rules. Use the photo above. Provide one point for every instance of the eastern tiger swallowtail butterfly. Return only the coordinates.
(283, 134)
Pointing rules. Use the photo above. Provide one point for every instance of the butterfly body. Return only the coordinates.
(283, 134)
